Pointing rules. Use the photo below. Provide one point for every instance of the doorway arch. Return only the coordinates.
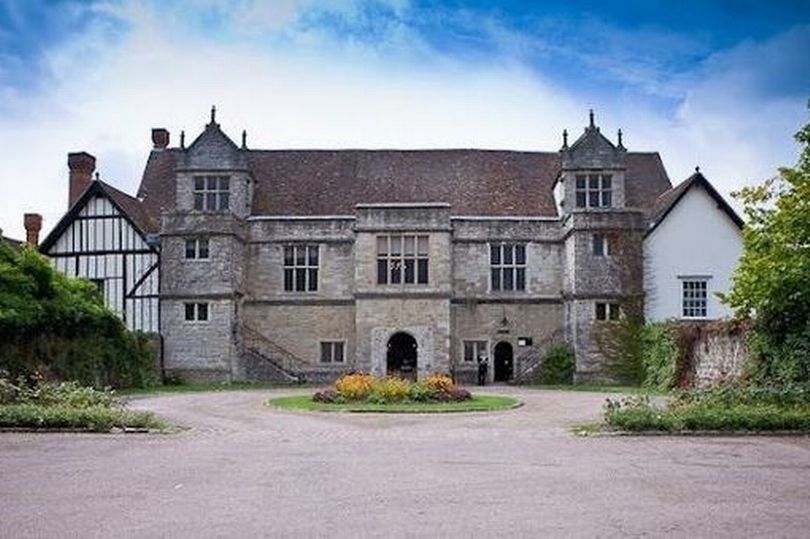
(503, 367)
(401, 357)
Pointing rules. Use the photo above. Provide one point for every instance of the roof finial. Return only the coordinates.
(98, 175)
(591, 116)
(697, 170)
(244, 139)
(182, 140)
(565, 138)
(213, 114)
(621, 144)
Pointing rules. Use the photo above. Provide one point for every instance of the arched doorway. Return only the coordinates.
(504, 362)
(401, 358)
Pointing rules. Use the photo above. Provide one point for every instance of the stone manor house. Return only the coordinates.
(303, 264)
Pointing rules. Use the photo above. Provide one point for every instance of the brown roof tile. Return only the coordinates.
(473, 182)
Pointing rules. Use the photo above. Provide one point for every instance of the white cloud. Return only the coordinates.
(320, 91)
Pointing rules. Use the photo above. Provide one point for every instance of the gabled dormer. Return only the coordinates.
(213, 174)
(592, 173)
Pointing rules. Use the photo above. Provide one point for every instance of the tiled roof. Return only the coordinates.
(133, 207)
(667, 200)
(157, 190)
(473, 182)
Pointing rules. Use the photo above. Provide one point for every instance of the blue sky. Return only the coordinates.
(720, 84)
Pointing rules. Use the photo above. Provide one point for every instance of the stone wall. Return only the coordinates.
(719, 353)
(300, 328)
(198, 350)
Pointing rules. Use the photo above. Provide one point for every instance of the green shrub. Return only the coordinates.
(557, 366)
(95, 418)
(660, 356)
(42, 404)
(622, 344)
(723, 408)
(59, 327)
(422, 392)
(47, 393)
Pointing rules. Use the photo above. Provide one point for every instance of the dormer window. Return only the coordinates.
(212, 193)
(594, 190)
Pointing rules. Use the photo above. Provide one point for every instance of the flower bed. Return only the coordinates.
(361, 392)
(42, 405)
(363, 387)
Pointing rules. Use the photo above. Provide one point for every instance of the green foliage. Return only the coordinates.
(94, 418)
(724, 408)
(731, 394)
(557, 366)
(772, 281)
(659, 356)
(41, 404)
(477, 403)
(420, 392)
(47, 393)
(622, 344)
(59, 326)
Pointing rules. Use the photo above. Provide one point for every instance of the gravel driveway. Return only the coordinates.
(244, 470)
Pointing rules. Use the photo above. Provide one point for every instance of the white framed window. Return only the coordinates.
(301, 264)
(197, 249)
(212, 193)
(402, 259)
(507, 266)
(333, 352)
(600, 245)
(196, 312)
(475, 350)
(607, 311)
(594, 190)
(694, 297)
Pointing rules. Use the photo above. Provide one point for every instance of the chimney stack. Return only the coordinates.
(33, 224)
(81, 165)
(160, 138)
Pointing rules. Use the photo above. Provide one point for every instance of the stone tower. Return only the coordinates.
(203, 255)
(602, 246)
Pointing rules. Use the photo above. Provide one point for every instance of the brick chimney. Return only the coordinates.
(160, 138)
(81, 165)
(33, 224)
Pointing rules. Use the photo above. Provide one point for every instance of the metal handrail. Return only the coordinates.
(254, 341)
(536, 353)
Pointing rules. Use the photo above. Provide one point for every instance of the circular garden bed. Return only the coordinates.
(436, 393)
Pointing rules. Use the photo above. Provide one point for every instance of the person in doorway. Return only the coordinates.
(483, 367)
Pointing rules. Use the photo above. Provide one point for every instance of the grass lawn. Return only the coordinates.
(479, 403)
(198, 388)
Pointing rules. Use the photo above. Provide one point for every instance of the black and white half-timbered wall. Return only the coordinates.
(105, 238)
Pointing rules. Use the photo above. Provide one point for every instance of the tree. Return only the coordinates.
(772, 280)
(58, 326)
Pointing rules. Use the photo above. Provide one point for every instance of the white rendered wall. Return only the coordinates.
(696, 239)
(101, 244)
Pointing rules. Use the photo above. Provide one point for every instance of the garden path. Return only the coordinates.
(242, 469)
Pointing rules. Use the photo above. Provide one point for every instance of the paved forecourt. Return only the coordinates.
(243, 469)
